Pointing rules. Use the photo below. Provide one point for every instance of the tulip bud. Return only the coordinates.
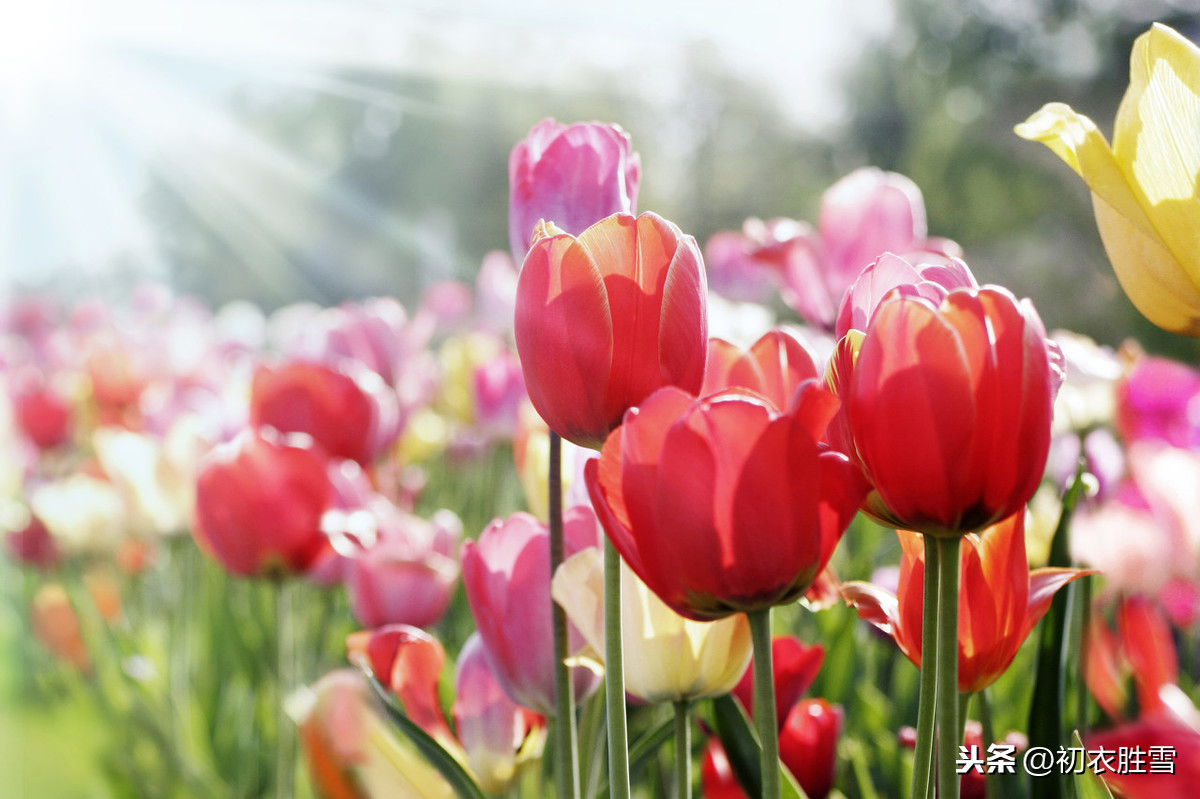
(572, 175)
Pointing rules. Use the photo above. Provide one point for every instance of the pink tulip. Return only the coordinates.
(1159, 399)
(863, 215)
(491, 727)
(932, 278)
(571, 175)
(506, 574)
(408, 575)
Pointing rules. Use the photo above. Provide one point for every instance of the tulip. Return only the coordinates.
(82, 513)
(572, 175)
(408, 575)
(259, 503)
(348, 417)
(351, 750)
(496, 734)
(1144, 186)
(605, 319)
(773, 367)
(56, 626)
(807, 746)
(43, 415)
(33, 545)
(667, 658)
(949, 408)
(506, 574)
(745, 265)
(725, 504)
(1170, 763)
(1000, 600)
(863, 215)
(794, 665)
(1155, 400)
(931, 277)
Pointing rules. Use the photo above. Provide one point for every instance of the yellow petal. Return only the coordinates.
(1157, 140)
(1149, 273)
(1076, 140)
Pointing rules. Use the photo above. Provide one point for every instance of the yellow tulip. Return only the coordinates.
(1144, 187)
(667, 657)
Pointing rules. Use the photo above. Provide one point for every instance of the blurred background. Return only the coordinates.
(311, 150)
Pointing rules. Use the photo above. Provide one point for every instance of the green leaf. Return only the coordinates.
(446, 764)
(1045, 709)
(741, 747)
(1087, 784)
(645, 748)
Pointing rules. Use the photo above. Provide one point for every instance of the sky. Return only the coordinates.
(91, 91)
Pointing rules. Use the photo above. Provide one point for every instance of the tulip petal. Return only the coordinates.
(873, 604)
(563, 329)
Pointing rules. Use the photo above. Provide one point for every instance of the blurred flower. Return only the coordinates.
(32, 545)
(408, 574)
(725, 504)
(496, 291)
(1172, 775)
(1144, 186)
(352, 751)
(864, 215)
(156, 478)
(794, 666)
(571, 175)
(43, 415)
(1146, 536)
(497, 734)
(531, 455)
(667, 658)
(1144, 650)
(808, 738)
(83, 513)
(56, 626)
(948, 408)
(506, 574)
(349, 417)
(259, 503)
(1000, 600)
(604, 320)
(773, 367)
(1087, 397)
(1159, 399)
(746, 265)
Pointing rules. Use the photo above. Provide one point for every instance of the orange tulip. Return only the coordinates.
(1000, 600)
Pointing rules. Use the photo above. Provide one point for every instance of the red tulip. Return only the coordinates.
(571, 175)
(326, 404)
(725, 504)
(795, 666)
(1162, 758)
(949, 409)
(1000, 600)
(259, 504)
(774, 367)
(604, 320)
(807, 746)
(43, 415)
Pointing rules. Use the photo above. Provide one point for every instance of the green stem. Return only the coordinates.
(922, 784)
(764, 702)
(565, 737)
(995, 788)
(683, 749)
(947, 668)
(285, 681)
(614, 677)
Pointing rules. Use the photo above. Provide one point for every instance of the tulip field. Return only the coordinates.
(599, 525)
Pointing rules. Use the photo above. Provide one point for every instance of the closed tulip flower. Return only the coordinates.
(774, 366)
(949, 408)
(259, 503)
(667, 658)
(572, 175)
(1000, 600)
(506, 574)
(605, 319)
(725, 504)
(1144, 186)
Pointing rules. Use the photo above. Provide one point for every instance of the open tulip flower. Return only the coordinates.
(605, 319)
(725, 504)
(667, 658)
(573, 175)
(1144, 186)
(1000, 600)
(948, 407)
